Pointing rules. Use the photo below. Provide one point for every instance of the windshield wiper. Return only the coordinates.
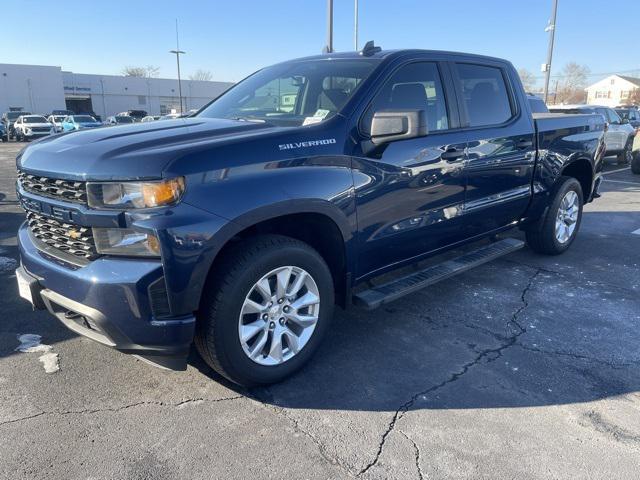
(249, 118)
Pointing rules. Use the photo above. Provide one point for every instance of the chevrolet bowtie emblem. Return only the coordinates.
(74, 234)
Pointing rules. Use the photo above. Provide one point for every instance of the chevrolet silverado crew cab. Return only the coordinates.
(238, 229)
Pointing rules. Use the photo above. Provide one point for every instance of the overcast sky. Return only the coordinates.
(234, 38)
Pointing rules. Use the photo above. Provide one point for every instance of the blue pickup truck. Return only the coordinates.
(240, 228)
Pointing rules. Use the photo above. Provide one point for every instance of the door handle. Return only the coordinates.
(452, 154)
(522, 144)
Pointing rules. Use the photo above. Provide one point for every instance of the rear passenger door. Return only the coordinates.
(500, 145)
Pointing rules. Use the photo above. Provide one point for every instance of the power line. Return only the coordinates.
(603, 74)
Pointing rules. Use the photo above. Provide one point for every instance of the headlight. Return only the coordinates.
(125, 241)
(134, 194)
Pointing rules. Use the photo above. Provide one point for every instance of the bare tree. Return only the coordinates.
(202, 75)
(572, 83)
(143, 72)
(527, 78)
(634, 97)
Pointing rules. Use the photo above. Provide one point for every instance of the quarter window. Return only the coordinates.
(484, 94)
(413, 86)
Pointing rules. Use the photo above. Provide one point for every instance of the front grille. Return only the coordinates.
(68, 190)
(41, 129)
(71, 239)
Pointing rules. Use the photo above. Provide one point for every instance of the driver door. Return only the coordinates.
(410, 192)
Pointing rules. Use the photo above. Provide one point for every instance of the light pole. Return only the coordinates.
(355, 25)
(551, 28)
(329, 46)
(177, 53)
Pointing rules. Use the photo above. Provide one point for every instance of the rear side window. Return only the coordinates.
(413, 86)
(484, 94)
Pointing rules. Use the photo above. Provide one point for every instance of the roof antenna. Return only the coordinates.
(369, 49)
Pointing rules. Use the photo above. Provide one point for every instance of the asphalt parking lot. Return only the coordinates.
(527, 367)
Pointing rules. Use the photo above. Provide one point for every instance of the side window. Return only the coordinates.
(484, 94)
(413, 86)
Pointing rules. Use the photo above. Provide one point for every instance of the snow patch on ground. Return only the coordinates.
(8, 264)
(30, 343)
(50, 362)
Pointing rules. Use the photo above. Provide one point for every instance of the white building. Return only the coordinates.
(41, 89)
(612, 91)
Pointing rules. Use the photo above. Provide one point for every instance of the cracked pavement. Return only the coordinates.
(523, 368)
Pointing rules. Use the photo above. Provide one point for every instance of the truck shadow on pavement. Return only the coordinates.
(527, 330)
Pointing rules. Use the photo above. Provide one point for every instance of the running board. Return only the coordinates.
(395, 289)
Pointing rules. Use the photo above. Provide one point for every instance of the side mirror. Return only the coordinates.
(391, 125)
(624, 121)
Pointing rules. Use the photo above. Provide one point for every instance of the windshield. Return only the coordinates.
(14, 115)
(84, 118)
(58, 118)
(34, 119)
(123, 119)
(293, 94)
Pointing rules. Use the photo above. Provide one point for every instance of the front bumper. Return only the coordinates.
(108, 300)
(36, 134)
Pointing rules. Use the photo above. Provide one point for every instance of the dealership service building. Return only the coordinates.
(42, 89)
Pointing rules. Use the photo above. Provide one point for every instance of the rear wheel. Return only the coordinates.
(265, 310)
(626, 156)
(560, 226)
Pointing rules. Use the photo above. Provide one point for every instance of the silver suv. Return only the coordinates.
(619, 136)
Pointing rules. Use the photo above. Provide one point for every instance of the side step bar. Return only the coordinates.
(395, 289)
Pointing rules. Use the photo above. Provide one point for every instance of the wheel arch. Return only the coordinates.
(319, 224)
(582, 170)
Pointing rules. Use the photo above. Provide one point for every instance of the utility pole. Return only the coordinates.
(177, 53)
(355, 25)
(329, 46)
(551, 28)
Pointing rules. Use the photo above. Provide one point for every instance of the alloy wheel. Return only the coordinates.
(279, 315)
(567, 216)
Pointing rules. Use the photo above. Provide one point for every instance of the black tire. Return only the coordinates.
(217, 338)
(542, 237)
(635, 163)
(626, 156)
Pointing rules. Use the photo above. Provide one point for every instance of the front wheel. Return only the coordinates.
(560, 226)
(264, 310)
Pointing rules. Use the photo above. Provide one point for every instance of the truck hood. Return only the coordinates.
(128, 152)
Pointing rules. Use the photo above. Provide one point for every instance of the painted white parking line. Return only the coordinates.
(622, 181)
(636, 232)
(616, 171)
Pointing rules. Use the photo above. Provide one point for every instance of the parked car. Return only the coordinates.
(632, 115)
(241, 227)
(619, 135)
(9, 118)
(150, 118)
(78, 122)
(29, 127)
(537, 104)
(119, 120)
(3, 133)
(137, 115)
(56, 121)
